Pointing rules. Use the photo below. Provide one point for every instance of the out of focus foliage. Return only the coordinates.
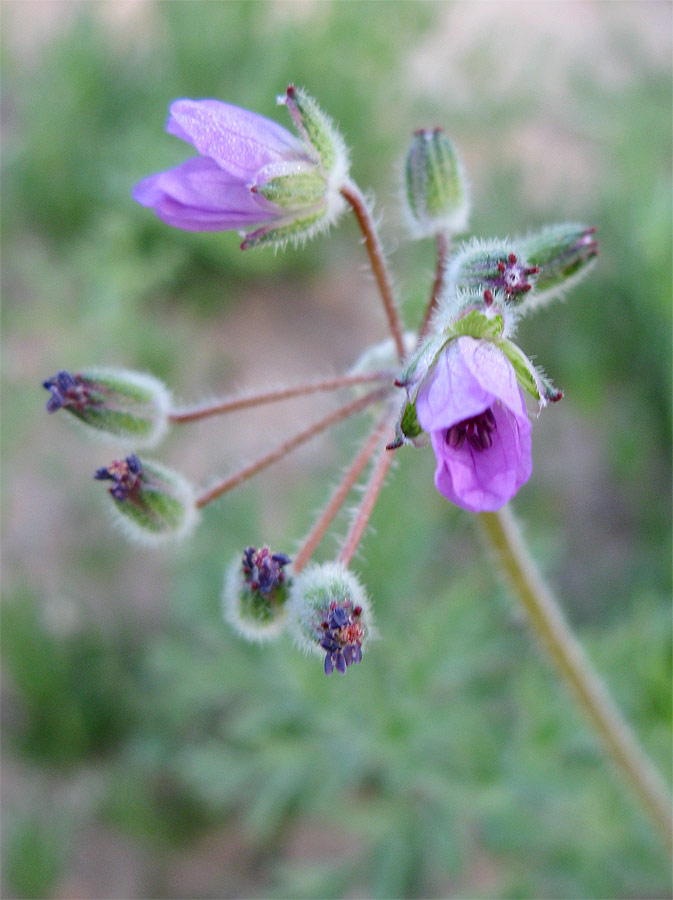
(450, 762)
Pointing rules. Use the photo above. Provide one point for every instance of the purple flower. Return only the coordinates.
(474, 409)
(250, 172)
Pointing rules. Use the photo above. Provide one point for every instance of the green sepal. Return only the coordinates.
(315, 126)
(296, 229)
(127, 405)
(295, 191)
(477, 325)
(261, 608)
(563, 253)
(407, 428)
(523, 367)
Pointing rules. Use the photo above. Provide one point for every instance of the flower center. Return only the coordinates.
(477, 431)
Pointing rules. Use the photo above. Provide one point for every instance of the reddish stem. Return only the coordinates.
(364, 513)
(337, 499)
(378, 263)
(231, 404)
(287, 446)
(442, 255)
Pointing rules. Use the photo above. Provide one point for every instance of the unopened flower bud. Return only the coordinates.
(152, 503)
(564, 254)
(329, 615)
(127, 405)
(255, 594)
(436, 187)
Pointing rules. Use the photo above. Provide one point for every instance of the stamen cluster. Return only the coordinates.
(67, 391)
(262, 569)
(477, 432)
(342, 639)
(126, 475)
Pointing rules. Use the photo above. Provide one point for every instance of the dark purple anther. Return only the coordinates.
(262, 569)
(126, 475)
(66, 391)
(337, 618)
(477, 431)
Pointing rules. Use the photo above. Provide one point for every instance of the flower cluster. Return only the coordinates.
(464, 385)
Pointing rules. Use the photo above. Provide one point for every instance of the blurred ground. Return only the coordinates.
(145, 751)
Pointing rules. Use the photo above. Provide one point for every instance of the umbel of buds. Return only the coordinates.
(127, 405)
(152, 503)
(255, 594)
(329, 615)
(436, 187)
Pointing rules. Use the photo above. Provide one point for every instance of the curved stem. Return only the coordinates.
(338, 498)
(231, 404)
(442, 256)
(366, 508)
(353, 195)
(549, 625)
(287, 446)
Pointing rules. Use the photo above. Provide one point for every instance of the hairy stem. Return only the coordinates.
(550, 627)
(338, 498)
(442, 256)
(366, 508)
(231, 404)
(291, 444)
(353, 195)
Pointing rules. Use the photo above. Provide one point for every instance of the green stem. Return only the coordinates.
(549, 625)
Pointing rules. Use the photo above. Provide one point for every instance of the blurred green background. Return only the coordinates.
(146, 751)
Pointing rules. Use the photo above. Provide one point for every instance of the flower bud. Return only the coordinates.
(436, 186)
(151, 503)
(127, 405)
(329, 615)
(564, 254)
(255, 594)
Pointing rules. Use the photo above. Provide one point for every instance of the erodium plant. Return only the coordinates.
(459, 383)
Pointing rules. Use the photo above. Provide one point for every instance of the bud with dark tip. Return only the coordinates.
(152, 503)
(255, 594)
(564, 254)
(329, 615)
(127, 405)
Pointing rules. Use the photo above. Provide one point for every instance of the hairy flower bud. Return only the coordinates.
(564, 254)
(329, 615)
(436, 187)
(255, 594)
(151, 502)
(127, 405)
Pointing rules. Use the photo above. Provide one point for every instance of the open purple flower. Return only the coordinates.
(251, 174)
(473, 407)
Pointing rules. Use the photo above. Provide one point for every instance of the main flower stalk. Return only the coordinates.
(550, 627)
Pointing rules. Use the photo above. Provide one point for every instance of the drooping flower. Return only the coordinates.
(251, 174)
(471, 404)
